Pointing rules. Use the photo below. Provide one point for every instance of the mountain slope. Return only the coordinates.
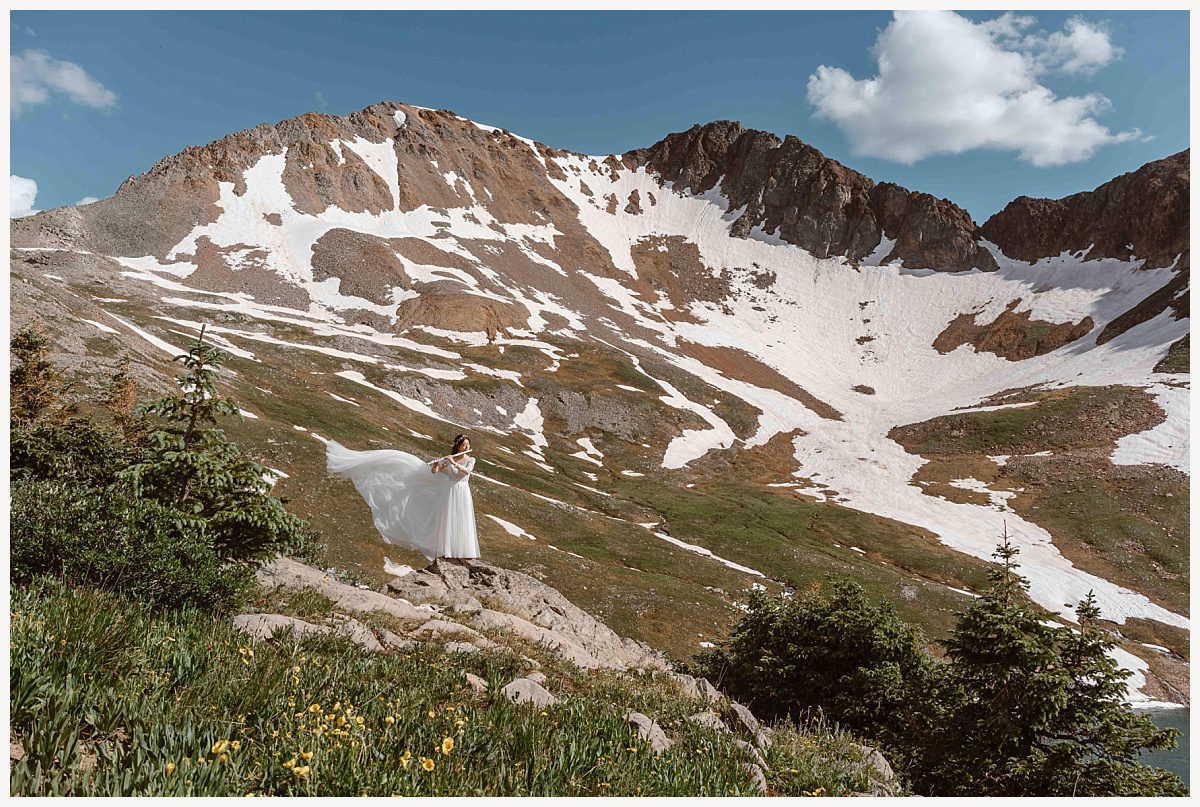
(684, 366)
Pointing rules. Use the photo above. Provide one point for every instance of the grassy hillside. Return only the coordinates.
(110, 697)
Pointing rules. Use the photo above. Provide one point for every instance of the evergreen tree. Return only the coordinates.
(1035, 709)
(192, 467)
(35, 385)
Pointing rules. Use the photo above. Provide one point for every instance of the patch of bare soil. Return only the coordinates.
(1011, 336)
(741, 366)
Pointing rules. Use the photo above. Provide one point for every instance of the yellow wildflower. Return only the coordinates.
(447, 745)
(427, 763)
(300, 771)
(307, 755)
(223, 758)
(220, 746)
(314, 708)
(235, 745)
(291, 763)
(170, 767)
(389, 720)
(433, 714)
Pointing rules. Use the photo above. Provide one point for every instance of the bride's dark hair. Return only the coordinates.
(458, 441)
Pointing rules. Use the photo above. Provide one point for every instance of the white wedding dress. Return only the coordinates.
(413, 506)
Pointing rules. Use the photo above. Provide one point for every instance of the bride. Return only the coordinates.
(421, 505)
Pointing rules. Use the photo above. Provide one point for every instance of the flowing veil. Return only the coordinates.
(408, 501)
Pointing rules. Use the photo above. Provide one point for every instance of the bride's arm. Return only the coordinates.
(462, 467)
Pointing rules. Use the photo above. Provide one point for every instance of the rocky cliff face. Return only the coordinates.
(1142, 214)
(791, 190)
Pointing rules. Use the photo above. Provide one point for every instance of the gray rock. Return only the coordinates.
(291, 574)
(757, 777)
(696, 688)
(517, 603)
(476, 683)
(487, 619)
(709, 721)
(359, 633)
(537, 677)
(264, 626)
(460, 647)
(752, 751)
(443, 629)
(522, 690)
(650, 732)
(743, 719)
(878, 769)
(391, 640)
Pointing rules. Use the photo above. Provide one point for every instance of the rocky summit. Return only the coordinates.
(719, 362)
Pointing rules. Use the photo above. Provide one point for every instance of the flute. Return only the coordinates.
(451, 456)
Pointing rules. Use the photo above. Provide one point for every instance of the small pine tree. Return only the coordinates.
(35, 385)
(1035, 709)
(120, 399)
(192, 466)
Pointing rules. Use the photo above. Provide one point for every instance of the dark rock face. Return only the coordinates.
(1143, 213)
(794, 191)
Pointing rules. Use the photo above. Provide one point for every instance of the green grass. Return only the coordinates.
(112, 698)
(805, 542)
(1127, 529)
(1125, 524)
(1075, 418)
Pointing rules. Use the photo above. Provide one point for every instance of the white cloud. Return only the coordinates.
(21, 194)
(36, 75)
(1081, 48)
(87, 200)
(947, 85)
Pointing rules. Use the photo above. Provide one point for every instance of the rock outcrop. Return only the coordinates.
(1142, 214)
(508, 601)
(794, 192)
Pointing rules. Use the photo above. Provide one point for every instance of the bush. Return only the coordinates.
(158, 503)
(858, 663)
(89, 536)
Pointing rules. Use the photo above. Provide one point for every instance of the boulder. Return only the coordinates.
(752, 751)
(757, 777)
(476, 683)
(487, 619)
(359, 633)
(878, 769)
(519, 604)
(744, 720)
(442, 629)
(264, 626)
(650, 732)
(291, 574)
(696, 688)
(709, 721)
(394, 642)
(537, 677)
(522, 690)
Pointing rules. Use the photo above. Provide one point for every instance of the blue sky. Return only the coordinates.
(140, 86)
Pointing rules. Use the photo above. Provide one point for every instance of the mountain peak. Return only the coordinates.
(790, 190)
